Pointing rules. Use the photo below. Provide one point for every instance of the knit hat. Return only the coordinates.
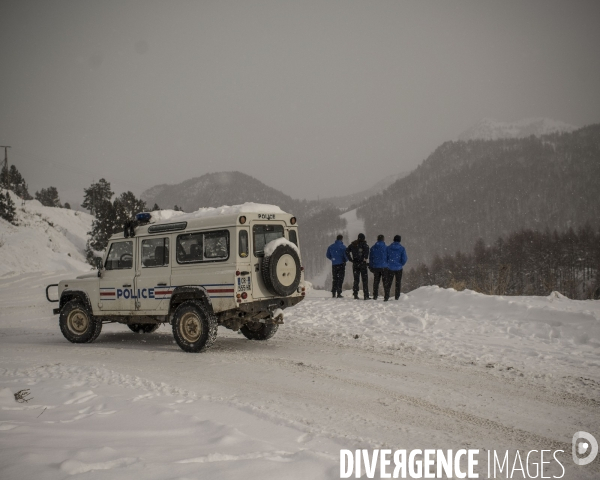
(361, 236)
(380, 238)
(397, 238)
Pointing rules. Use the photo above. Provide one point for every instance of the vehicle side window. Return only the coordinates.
(216, 245)
(243, 244)
(155, 252)
(120, 256)
(264, 234)
(293, 237)
(203, 247)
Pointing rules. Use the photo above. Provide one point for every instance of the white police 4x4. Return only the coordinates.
(238, 267)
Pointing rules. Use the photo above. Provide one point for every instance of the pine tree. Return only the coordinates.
(4, 177)
(12, 179)
(110, 219)
(96, 195)
(48, 197)
(127, 206)
(155, 207)
(103, 226)
(7, 207)
(67, 205)
(2, 205)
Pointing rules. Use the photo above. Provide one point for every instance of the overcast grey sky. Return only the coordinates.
(314, 98)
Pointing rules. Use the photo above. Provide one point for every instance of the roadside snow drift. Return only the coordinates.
(543, 336)
(44, 239)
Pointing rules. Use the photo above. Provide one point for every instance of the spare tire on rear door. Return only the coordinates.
(281, 270)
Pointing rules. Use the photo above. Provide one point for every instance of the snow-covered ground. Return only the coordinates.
(546, 337)
(436, 369)
(44, 239)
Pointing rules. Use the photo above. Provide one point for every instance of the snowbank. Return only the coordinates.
(44, 239)
(551, 336)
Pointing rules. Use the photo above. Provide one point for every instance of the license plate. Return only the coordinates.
(244, 284)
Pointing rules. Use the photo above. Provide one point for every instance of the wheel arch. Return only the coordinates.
(68, 295)
(189, 292)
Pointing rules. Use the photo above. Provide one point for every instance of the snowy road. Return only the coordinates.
(136, 405)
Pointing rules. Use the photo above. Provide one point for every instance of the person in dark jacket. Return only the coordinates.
(378, 264)
(396, 259)
(337, 254)
(358, 254)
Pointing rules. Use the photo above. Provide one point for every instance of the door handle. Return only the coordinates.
(127, 285)
(162, 284)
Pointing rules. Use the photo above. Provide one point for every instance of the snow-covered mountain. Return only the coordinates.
(43, 239)
(490, 129)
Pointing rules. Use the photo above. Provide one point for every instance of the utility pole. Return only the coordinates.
(6, 179)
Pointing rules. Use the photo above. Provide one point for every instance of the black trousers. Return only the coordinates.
(338, 272)
(360, 273)
(379, 274)
(391, 275)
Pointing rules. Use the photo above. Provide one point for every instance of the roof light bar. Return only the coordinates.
(167, 227)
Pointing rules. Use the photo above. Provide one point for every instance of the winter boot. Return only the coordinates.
(340, 295)
(355, 296)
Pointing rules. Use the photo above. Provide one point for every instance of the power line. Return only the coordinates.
(6, 179)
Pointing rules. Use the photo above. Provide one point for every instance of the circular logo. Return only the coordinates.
(584, 443)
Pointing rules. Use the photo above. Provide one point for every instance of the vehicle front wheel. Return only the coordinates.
(77, 324)
(194, 327)
(143, 327)
(259, 331)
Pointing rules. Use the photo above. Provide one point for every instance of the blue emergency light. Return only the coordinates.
(143, 217)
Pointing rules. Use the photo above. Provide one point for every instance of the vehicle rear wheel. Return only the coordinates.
(143, 327)
(77, 324)
(194, 327)
(259, 331)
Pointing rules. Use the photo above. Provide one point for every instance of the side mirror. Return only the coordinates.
(98, 262)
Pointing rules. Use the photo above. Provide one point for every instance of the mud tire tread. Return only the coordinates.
(264, 333)
(210, 326)
(91, 333)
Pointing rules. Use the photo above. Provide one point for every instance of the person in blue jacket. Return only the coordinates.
(396, 259)
(337, 254)
(378, 264)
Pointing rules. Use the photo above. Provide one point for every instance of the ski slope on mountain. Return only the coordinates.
(43, 239)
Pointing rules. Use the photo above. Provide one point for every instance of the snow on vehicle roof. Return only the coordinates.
(166, 216)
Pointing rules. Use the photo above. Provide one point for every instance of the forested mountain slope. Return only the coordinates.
(224, 188)
(489, 188)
